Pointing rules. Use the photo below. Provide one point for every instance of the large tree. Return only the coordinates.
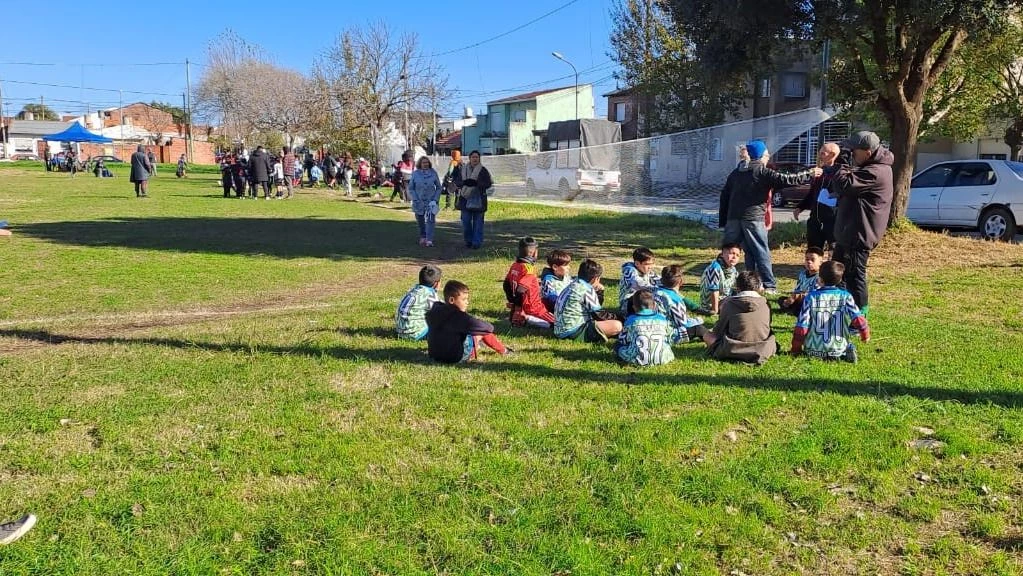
(39, 112)
(373, 75)
(897, 50)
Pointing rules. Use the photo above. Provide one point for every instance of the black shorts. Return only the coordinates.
(590, 334)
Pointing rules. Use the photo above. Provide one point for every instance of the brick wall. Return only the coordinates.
(202, 151)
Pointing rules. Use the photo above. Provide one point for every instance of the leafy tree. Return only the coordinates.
(177, 112)
(39, 112)
(891, 53)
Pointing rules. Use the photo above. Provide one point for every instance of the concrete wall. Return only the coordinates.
(943, 150)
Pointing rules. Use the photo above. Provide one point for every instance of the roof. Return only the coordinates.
(620, 92)
(451, 141)
(528, 96)
(36, 127)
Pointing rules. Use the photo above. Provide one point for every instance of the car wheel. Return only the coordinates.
(998, 224)
(777, 200)
(564, 191)
(530, 187)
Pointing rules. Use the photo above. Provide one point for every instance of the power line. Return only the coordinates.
(477, 94)
(503, 34)
(93, 89)
(102, 65)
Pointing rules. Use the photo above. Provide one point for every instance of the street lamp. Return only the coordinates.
(562, 58)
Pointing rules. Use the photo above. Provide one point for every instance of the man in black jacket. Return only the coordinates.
(820, 228)
(259, 171)
(865, 187)
(744, 205)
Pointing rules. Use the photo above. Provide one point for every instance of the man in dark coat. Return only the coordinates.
(259, 171)
(140, 171)
(744, 206)
(865, 187)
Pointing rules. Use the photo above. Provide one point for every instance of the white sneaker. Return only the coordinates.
(771, 291)
(11, 531)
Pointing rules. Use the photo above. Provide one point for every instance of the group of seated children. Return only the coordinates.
(652, 315)
(452, 334)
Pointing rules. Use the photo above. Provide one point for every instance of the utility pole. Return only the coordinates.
(120, 114)
(3, 125)
(188, 108)
(433, 102)
(408, 136)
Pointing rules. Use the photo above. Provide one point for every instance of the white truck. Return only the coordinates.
(578, 156)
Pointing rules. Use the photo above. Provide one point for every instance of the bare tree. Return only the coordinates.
(154, 120)
(271, 98)
(372, 75)
(219, 95)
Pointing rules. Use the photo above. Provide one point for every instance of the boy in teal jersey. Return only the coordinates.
(578, 314)
(555, 277)
(646, 336)
(673, 306)
(828, 320)
(806, 282)
(636, 275)
(410, 321)
(719, 278)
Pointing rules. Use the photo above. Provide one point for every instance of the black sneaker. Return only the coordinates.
(11, 531)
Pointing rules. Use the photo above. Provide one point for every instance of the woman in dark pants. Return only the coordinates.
(472, 181)
(820, 228)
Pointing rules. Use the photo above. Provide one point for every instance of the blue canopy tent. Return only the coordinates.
(76, 133)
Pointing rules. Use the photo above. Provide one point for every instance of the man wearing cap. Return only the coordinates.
(744, 204)
(865, 187)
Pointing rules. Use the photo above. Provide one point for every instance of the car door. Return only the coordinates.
(970, 189)
(925, 191)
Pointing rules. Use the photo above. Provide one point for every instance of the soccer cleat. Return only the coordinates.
(850, 355)
(11, 531)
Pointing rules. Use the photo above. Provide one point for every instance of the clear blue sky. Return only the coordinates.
(70, 34)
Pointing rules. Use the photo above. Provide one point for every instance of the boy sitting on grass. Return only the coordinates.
(522, 289)
(578, 314)
(555, 277)
(646, 336)
(828, 319)
(805, 283)
(719, 278)
(636, 275)
(410, 321)
(672, 305)
(455, 336)
(743, 331)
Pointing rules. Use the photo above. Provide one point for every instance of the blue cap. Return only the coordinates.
(756, 149)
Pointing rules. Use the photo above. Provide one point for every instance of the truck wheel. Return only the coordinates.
(564, 191)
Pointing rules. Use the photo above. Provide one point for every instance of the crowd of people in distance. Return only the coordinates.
(652, 315)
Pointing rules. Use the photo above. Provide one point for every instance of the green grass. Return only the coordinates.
(194, 385)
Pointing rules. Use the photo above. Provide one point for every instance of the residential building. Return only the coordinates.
(509, 124)
(26, 137)
(140, 123)
(988, 145)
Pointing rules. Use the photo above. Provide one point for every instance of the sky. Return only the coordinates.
(83, 61)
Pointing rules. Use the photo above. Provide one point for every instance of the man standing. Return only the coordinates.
(820, 228)
(152, 162)
(289, 169)
(259, 172)
(140, 171)
(744, 206)
(865, 187)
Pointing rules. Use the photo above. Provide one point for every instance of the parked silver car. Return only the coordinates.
(985, 195)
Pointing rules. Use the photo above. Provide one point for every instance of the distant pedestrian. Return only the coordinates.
(449, 178)
(259, 172)
(330, 171)
(240, 173)
(181, 172)
(402, 175)
(288, 162)
(152, 161)
(226, 176)
(424, 189)
(347, 171)
(141, 169)
(474, 182)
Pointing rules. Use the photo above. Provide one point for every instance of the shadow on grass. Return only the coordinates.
(317, 237)
(607, 376)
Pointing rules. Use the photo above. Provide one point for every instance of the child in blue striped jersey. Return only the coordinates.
(410, 321)
(806, 282)
(647, 335)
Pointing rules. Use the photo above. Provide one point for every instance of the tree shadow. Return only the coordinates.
(606, 377)
(321, 237)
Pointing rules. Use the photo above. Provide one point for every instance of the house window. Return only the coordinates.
(620, 112)
(795, 85)
(994, 156)
(765, 87)
(497, 124)
(715, 150)
(519, 116)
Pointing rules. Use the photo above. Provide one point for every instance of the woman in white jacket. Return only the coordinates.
(424, 188)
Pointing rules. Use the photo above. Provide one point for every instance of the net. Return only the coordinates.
(680, 173)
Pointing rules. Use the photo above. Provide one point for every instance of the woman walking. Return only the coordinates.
(449, 178)
(424, 188)
(140, 172)
(473, 182)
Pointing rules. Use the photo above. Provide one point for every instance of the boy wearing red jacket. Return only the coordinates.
(522, 288)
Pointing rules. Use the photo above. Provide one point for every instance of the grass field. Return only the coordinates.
(196, 385)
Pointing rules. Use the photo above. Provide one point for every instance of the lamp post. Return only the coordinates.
(562, 58)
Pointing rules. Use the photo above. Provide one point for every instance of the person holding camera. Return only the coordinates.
(864, 186)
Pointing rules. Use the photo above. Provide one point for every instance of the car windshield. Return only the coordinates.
(1016, 167)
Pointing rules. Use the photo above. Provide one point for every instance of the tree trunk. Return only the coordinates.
(905, 127)
(1014, 153)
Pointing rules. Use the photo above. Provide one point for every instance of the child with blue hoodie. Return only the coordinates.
(424, 188)
(647, 335)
